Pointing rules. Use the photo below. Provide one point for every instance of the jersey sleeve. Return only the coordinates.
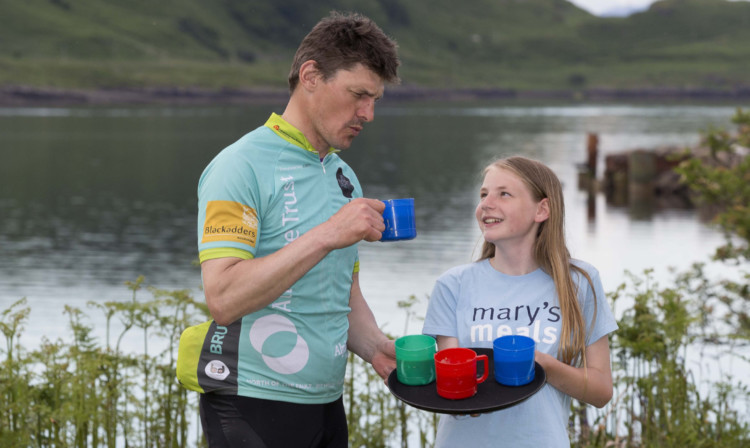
(229, 208)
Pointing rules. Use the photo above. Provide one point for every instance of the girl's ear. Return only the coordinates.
(542, 210)
(309, 74)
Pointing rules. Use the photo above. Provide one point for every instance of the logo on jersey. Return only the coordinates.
(217, 370)
(267, 326)
(230, 221)
(344, 183)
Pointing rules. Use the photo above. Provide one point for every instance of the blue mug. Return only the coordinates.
(399, 220)
(514, 359)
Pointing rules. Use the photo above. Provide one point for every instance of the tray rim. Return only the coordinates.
(540, 379)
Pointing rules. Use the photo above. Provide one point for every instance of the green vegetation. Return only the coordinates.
(659, 400)
(82, 393)
(508, 44)
(719, 175)
(85, 393)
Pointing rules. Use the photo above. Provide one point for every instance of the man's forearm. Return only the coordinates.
(236, 287)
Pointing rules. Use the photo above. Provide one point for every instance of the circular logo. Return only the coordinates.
(217, 370)
(267, 326)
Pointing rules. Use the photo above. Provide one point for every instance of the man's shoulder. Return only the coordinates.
(252, 153)
(260, 145)
(260, 138)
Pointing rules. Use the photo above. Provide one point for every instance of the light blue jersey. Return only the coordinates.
(476, 304)
(258, 195)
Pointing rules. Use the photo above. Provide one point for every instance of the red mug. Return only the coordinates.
(456, 370)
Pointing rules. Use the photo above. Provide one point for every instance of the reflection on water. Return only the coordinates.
(93, 197)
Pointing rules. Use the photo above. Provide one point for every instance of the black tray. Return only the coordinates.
(490, 396)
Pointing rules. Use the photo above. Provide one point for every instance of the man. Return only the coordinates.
(279, 218)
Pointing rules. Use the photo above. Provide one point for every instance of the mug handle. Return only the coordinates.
(484, 359)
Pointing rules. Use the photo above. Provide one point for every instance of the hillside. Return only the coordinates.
(510, 45)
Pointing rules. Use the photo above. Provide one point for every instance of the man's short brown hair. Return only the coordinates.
(341, 41)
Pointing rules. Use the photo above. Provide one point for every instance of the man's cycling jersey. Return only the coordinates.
(258, 195)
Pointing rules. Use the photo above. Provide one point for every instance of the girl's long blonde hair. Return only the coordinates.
(551, 253)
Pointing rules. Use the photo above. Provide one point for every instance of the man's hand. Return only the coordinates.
(384, 359)
(365, 339)
(360, 219)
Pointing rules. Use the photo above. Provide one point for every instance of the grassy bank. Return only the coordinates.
(524, 46)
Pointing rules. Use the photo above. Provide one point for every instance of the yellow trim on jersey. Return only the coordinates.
(223, 252)
(291, 134)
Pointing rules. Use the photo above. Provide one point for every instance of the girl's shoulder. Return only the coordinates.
(586, 267)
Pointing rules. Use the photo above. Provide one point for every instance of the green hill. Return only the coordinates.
(504, 44)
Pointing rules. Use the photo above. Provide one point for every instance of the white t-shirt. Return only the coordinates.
(476, 304)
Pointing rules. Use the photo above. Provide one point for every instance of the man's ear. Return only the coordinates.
(309, 75)
(542, 210)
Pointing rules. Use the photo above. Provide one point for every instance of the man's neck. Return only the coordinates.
(294, 115)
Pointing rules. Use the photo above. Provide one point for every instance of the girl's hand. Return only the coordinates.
(591, 384)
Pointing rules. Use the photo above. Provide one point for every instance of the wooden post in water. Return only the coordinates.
(587, 170)
(592, 151)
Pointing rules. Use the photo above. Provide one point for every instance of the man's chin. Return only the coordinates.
(344, 144)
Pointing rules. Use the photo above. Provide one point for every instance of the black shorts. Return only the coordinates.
(231, 421)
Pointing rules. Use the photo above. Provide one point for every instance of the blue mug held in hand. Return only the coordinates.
(399, 220)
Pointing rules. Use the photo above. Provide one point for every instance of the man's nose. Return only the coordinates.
(366, 111)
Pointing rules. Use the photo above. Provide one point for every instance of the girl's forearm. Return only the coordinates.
(590, 384)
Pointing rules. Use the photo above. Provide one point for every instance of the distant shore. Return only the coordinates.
(31, 96)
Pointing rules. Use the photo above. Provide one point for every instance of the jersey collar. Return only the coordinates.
(291, 134)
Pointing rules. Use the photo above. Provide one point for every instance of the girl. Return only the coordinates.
(525, 283)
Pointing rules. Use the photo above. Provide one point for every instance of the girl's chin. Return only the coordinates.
(487, 233)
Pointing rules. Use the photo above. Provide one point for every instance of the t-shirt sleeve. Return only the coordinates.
(440, 319)
(596, 311)
(229, 209)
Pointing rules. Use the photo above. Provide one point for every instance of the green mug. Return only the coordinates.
(415, 359)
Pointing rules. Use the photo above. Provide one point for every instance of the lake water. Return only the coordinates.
(93, 197)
